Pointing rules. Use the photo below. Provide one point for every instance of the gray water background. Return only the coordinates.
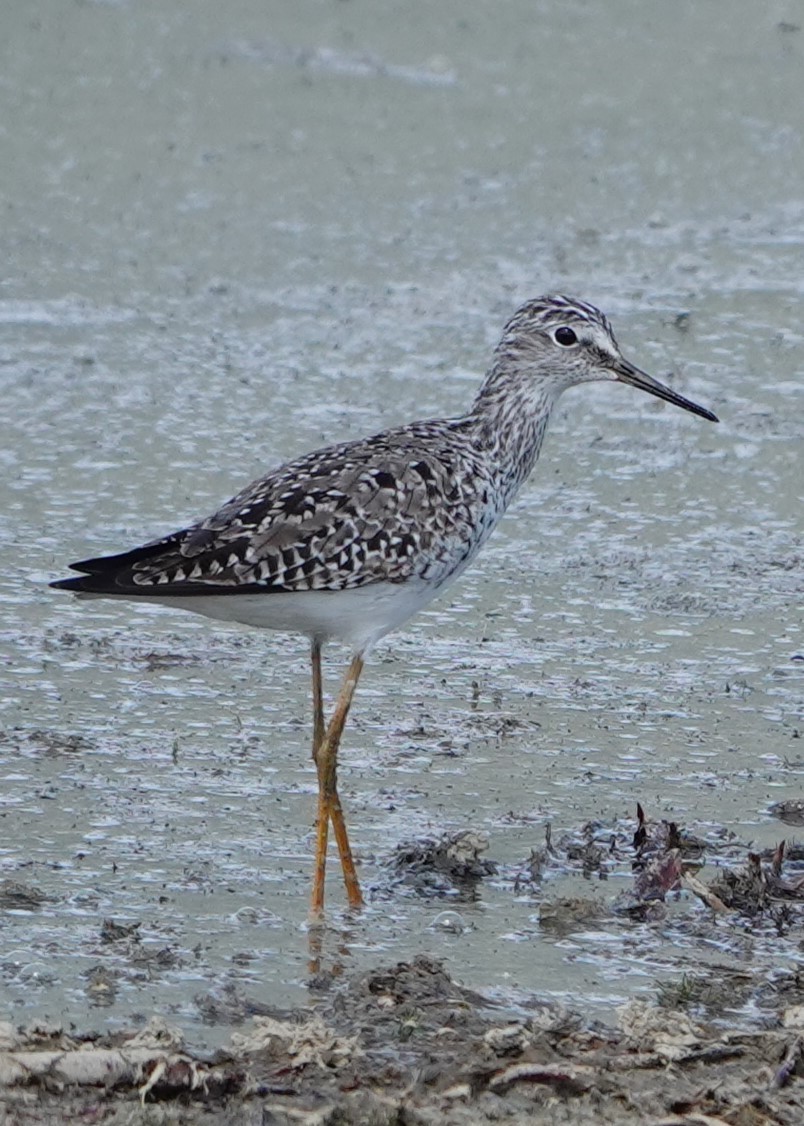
(235, 232)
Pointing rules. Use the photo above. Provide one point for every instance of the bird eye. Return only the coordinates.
(565, 336)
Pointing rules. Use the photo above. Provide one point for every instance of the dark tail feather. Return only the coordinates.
(89, 584)
(93, 566)
(104, 564)
(99, 575)
(114, 564)
(115, 574)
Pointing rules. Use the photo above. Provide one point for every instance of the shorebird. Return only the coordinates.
(348, 542)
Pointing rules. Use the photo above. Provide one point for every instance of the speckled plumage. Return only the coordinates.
(412, 504)
(402, 504)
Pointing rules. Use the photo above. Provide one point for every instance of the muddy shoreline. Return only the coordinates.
(408, 1044)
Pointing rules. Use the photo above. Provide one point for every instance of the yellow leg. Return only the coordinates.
(318, 698)
(325, 754)
(322, 814)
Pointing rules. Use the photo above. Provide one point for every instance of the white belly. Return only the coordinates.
(357, 617)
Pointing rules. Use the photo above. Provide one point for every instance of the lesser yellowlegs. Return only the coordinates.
(349, 541)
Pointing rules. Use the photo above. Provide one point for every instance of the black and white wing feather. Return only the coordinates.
(383, 509)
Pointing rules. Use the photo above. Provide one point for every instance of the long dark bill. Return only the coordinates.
(628, 373)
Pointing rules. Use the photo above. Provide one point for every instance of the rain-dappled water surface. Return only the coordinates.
(233, 237)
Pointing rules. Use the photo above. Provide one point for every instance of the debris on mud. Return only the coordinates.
(408, 1044)
(564, 915)
(665, 858)
(791, 812)
(112, 931)
(662, 837)
(753, 889)
(588, 851)
(40, 740)
(17, 896)
(440, 866)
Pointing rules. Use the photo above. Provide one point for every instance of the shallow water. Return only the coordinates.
(231, 237)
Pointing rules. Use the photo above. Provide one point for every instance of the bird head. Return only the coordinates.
(563, 341)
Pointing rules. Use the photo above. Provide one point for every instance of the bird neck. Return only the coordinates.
(510, 415)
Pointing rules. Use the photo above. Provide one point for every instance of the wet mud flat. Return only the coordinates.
(408, 1044)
